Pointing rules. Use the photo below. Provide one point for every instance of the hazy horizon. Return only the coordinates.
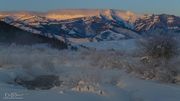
(138, 6)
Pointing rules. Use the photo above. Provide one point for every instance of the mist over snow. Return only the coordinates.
(100, 75)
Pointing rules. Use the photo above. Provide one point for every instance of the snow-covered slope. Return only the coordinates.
(90, 25)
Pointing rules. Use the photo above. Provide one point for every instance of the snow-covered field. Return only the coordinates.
(100, 74)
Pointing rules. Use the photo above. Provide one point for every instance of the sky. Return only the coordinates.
(138, 6)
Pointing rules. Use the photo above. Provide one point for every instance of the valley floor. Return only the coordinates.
(87, 75)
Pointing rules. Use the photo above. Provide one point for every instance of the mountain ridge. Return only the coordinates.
(91, 25)
(66, 13)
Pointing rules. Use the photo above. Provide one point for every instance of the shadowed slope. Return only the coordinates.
(10, 34)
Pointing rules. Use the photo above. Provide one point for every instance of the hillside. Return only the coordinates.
(10, 34)
(84, 25)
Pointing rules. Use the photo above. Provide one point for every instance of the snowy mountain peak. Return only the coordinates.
(77, 13)
(162, 21)
(90, 24)
(106, 13)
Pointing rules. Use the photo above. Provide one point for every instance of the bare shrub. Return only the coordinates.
(158, 56)
(159, 46)
(162, 72)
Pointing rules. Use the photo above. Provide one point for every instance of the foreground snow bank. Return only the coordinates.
(126, 89)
